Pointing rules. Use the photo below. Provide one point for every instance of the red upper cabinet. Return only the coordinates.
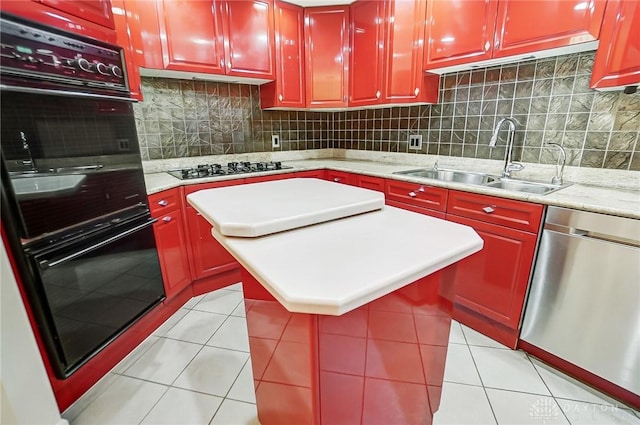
(555, 24)
(224, 38)
(248, 37)
(459, 32)
(327, 56)
(287, 91)
(617, 62)
(404, 81)
(91, 19)
(367, 52)
(121, 19)
(387, 46)
(191, 36)
(96, 11)
(463, 32)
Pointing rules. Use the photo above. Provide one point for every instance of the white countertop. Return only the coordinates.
(623, 200)
(263, 208)
(334, 267)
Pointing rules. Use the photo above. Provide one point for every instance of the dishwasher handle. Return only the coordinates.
(572, 231)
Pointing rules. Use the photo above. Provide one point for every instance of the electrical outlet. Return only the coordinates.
(415, 141)
(275, 141)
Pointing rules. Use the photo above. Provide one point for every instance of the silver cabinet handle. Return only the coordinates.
(378, 94)
(280, 98)
(412, 194)
(416, 91)
(421, 189)
(167, 219)
(163, 203)
(488, 210)
(336, 179)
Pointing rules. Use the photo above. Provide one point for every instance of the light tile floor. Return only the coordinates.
(195, 369)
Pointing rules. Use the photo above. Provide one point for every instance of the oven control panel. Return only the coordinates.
(31, 52)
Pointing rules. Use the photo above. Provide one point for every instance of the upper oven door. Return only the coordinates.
(69, 159)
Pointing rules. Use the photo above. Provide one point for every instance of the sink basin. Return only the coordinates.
(451, 175)
(525, 186)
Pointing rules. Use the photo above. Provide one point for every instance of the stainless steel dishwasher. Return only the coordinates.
(584, 301)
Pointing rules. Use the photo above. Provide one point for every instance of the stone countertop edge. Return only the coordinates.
(624, 202)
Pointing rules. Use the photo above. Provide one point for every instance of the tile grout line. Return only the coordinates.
(548, 389)
(481, 381)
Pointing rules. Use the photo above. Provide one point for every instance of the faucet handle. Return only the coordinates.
(435, 166)
(515, 166)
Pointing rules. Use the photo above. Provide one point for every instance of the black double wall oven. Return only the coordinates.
(74, 205)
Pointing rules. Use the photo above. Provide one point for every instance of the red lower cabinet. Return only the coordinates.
(491, 285)
(209, 257)
(171, 242)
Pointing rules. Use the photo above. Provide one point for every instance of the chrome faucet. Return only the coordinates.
(509, 166)
(562, 160)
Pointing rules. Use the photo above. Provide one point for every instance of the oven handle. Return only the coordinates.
(33, 90)
(45, 264)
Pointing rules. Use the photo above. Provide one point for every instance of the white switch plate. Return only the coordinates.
(275, 141)
(415, 141)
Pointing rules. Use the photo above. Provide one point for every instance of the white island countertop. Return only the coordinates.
(263, 208)
(339, 265)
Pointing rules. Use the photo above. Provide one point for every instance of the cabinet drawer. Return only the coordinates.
(409, 207)
(417, 194)
(315, 174)
(342, 177)
(373, 183)
(504, 212)
(212, 185)
(165, 201)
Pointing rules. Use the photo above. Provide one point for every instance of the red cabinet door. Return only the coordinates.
(459, 32)
(172, 244)
(493, 282)
(327, 56)
(96, 11)
(208, 256)
(404, 80)
(288, 89)
(367, 42)
(525, 26)
(121, 20)
(248, 37)
(190, 33)
(617, 62)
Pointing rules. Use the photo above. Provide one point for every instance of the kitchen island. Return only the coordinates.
(349, 318)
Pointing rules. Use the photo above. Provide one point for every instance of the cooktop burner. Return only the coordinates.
(215, 170)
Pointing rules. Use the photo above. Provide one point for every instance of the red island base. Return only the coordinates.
(382, 363)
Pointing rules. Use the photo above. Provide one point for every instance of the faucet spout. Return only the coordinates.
(509, 165)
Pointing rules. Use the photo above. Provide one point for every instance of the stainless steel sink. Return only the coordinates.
(525, 186)
(482, 179)
(451, 175)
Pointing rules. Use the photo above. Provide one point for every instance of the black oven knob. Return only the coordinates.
(102, 68)
(116, 71)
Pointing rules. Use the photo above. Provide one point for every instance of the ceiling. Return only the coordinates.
(310, 3)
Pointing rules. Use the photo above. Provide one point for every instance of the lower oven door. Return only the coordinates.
(90, 292)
